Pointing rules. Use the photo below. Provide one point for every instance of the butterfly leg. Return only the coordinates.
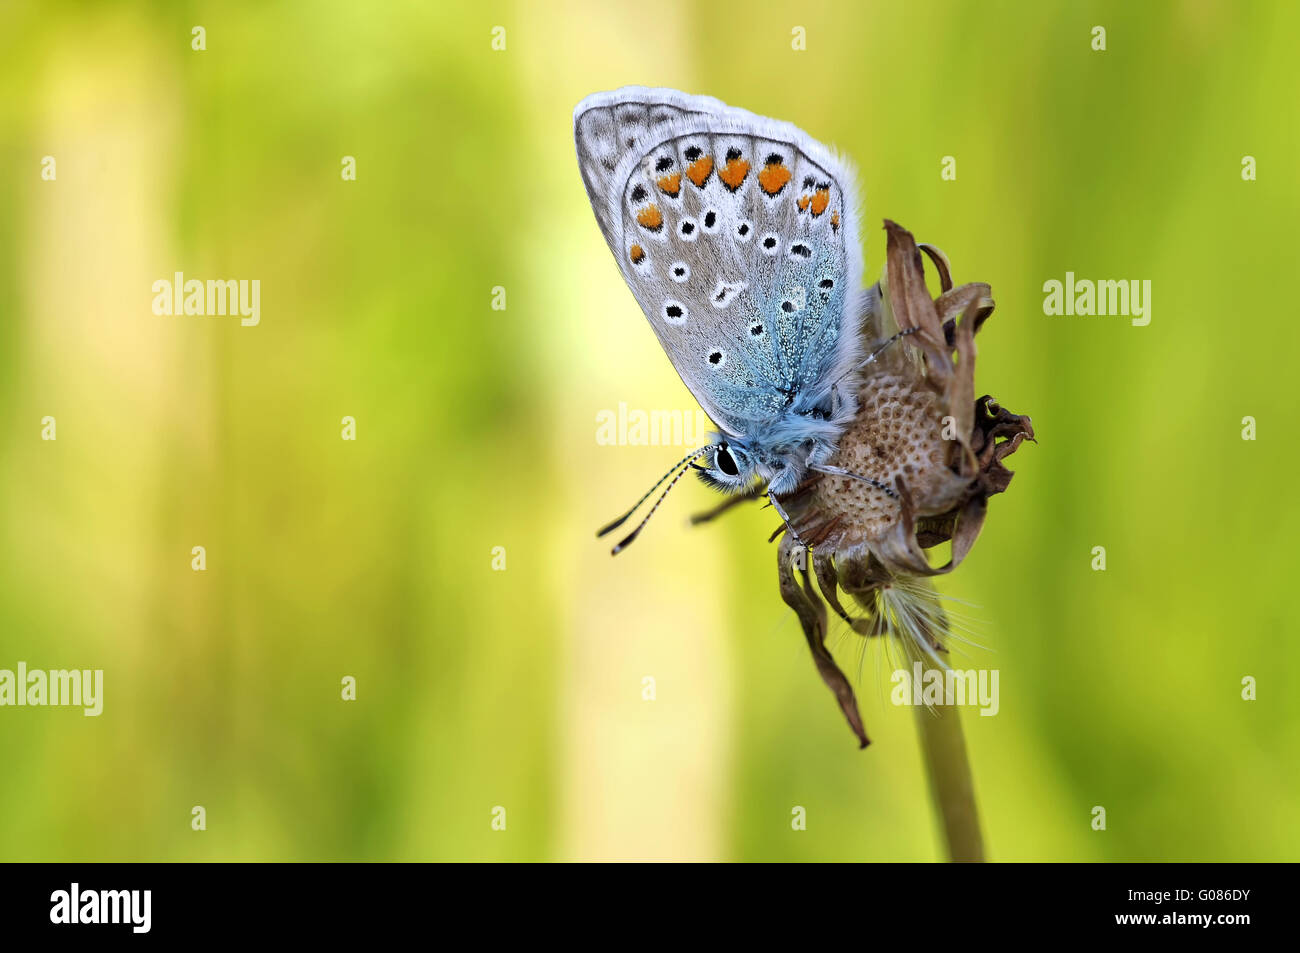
(880, 348)
(789, 528)
(840, 471)
(724, 506)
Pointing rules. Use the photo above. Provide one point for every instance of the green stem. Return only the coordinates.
(948, 768)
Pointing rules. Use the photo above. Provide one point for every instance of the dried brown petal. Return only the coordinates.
(812, 615)
(908, 298)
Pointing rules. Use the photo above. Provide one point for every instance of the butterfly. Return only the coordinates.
(738, 236)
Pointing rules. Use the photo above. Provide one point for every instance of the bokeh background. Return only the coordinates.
(476, 428)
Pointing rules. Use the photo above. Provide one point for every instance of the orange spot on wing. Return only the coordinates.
(803, 202)
(821, 198)
(650, 217)
(698, 171)
(636, 253)
(835, 220)
(671, 184)
(733, 173)
(774, 177)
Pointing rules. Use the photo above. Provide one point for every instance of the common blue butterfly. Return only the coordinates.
(738, 235)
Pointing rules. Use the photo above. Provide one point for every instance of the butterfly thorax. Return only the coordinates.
(777, 453)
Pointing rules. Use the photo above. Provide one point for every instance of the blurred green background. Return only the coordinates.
(476, 429)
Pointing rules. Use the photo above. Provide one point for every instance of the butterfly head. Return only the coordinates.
(754, 465)
(729, 466)
(775, 458)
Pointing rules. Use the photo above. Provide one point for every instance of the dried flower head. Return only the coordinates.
(915, 469)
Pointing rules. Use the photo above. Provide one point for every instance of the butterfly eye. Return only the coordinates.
(674, 312)
(744, 231)
(724, 461)
(770, 242)
(680, 271)
(717, 358)
(686, 229)
(710, 221)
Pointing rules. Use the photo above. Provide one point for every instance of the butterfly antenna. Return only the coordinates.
(627, 540)
(690, 457)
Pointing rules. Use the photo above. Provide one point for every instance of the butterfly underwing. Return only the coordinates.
(738, 236)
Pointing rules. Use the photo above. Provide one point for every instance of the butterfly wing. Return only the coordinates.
(738, 236)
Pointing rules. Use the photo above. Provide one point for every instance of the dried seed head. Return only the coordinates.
(898, 433)
(921, 433)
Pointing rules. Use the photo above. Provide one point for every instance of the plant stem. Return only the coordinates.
(948, 768)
